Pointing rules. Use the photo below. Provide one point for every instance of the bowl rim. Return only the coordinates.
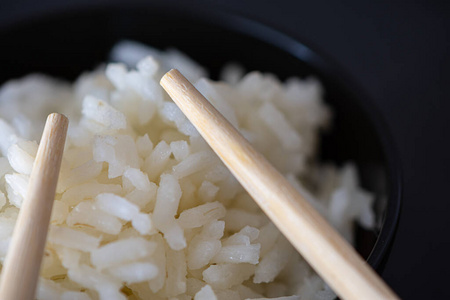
(289, 43)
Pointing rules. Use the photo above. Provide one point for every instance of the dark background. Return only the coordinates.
(399, 53)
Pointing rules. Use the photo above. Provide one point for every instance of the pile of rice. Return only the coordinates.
(144, 209)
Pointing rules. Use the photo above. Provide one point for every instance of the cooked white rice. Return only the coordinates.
(144, 209)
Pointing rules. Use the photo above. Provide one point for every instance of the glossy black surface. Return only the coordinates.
(67, 43)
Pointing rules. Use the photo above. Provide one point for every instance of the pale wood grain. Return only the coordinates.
(22, 264)
(327, 252)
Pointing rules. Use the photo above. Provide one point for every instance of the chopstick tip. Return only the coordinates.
(57, 116)
(58, 120)
(169, 76)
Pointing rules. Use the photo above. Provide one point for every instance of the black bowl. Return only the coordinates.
(66, 43)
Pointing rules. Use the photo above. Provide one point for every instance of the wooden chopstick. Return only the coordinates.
(22, 264)
(327, 252)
